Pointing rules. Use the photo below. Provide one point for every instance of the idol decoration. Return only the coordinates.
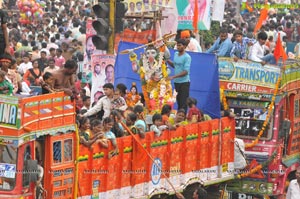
(153, 72)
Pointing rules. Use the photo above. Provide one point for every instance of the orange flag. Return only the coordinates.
(262, 18)
(196, 16)
(279, 50)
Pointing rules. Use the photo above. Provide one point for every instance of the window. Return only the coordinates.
(57, 152)
(62, 151)
(250, 116)
(68, 150)
(26, 174)
(8, 160)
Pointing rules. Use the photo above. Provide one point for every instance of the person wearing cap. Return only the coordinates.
(4, 41)
(181, 64)
(222, 45)
(193, 44)
(11, 75)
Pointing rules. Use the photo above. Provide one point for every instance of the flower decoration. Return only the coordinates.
(266, 122)
(259, 166)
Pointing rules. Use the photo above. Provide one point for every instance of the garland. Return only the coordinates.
(254, 142)
(223, 98)
(258, 167)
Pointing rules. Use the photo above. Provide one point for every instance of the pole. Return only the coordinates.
(112, 10)
(238, 11)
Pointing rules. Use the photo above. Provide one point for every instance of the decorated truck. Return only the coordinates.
(41, 131)
(265, 100)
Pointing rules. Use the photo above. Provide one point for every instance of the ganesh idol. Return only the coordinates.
(153, 72)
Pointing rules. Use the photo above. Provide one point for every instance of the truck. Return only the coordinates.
(265, 101)
(41, 131)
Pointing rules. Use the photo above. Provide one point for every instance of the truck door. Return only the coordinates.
(294, 116)
(59, 166)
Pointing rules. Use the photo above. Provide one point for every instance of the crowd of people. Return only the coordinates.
(45, 54)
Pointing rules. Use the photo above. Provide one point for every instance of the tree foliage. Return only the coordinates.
(210, 35)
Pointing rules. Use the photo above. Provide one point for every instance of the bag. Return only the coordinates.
(240, 161)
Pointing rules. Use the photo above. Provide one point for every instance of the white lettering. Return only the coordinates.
(241, 87)
(8, 114)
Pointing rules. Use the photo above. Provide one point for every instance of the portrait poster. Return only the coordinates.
(218, 10)
(186, 9)
(170, 22)
(139, 6)
(89, 48)
(102, 73)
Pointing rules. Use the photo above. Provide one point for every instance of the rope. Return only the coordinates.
(148, 154)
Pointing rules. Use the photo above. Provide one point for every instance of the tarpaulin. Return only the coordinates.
(203, 74)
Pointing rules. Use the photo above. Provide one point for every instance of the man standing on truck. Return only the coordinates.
(64, 78)
(294, 187)
(182, 65)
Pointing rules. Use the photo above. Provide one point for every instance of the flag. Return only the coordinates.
(279, 50)
(196, 16)
(262, 18)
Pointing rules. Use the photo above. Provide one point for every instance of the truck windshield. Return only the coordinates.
(8, 157)
(250, 116)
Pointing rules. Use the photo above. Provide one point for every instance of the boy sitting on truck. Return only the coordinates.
(5, 86)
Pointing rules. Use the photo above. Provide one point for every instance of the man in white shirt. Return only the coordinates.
(25, 65)
(294, 187)
(257, 51)
(104, 103)
(193, 44)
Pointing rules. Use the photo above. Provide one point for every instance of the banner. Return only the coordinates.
(136, 37)
(247, 76)
(139, 6)
(89, 51)
(102, 73)
(204, 77)
(9, 112)
(186, 10)
(218, 10)
(170, 23)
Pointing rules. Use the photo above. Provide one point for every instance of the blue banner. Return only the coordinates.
(204, 77)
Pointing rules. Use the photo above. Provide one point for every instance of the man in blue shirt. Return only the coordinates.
(222, 45)
(241, 46)
(181, 64)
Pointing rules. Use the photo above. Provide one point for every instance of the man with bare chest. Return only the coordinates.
(64, 78)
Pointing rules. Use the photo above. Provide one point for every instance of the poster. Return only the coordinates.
(170, 23)
(186, 10)
(247, 76)
(139, 6)
(102, 73)
(218, 10)
(89, 51)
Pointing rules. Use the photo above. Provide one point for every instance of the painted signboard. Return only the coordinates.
(9, 111)
(245, 76)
